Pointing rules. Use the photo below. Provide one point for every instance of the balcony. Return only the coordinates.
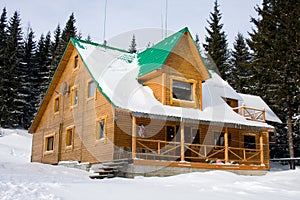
(252, 114)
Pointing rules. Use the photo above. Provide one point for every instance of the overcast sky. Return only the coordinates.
(130, 16)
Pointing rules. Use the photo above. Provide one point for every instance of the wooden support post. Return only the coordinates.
(133, 137)
(182, 141)
(226, 144)
(261, 144)
(243, 110)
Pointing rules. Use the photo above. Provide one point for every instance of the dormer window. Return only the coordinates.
(182, 90)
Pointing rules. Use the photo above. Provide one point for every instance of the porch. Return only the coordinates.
(184, 147)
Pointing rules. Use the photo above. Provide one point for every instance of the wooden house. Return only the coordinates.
(161, 107)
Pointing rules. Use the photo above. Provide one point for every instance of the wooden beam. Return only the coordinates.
(261, 144)
(133, 137)
(182, 141)
(226, 145)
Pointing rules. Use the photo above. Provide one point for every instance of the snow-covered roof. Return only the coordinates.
(116, 73)
(257, 102)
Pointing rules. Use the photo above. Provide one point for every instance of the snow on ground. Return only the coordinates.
(20, 179)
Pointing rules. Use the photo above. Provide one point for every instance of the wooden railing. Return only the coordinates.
(158, 149)
(253, 114)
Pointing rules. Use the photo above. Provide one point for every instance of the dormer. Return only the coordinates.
(174, 70)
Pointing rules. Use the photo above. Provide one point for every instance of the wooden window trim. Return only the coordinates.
(56, 107)
(104, 118)
(88, 97)
(46, 152)
(72, 105)
(184, 102)
(70, 146)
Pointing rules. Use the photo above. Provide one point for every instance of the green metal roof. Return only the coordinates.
(154, 57)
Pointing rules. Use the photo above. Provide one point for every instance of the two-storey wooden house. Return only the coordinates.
(161, 107)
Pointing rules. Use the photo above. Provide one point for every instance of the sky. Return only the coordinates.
(125, 17)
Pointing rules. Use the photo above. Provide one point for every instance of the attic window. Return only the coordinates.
(56, 104)
(76, 62)
(182, 90)
(233, 103)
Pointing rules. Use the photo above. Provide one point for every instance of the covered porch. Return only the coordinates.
(183, 144)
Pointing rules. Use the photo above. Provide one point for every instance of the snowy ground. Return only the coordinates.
(20, 179)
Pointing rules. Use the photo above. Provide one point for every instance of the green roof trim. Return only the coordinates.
(77, 44)
(78, 41)
(154, 57)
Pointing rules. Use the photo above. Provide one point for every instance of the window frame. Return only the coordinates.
(88, 89)
(56, 105)
(70, 143)
(72, 100)
(193, 84)
(76, 62)
(98, 127)
(46, 143)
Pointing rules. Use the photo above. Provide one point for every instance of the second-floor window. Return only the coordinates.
(56, 104)
(182, 90)
(74, 96)
(76, 62)
(91, 89)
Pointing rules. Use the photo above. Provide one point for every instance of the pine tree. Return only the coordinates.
(43, 61)
(216, 43)
(12, 101)
(276, 60)
(3, 37)
(55, 52)
(29, 79)
(240, 73)
(70, 31)
(132, 47)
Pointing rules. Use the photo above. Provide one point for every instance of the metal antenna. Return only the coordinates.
(104, 28)
(166, 20)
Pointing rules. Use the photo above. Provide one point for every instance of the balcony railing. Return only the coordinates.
(253, 114)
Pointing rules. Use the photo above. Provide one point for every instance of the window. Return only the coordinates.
(74, 96)
(170, 133)
(49, 144)
(249, 142)
(182, 90)
(91, 89)
(100, 129)
(219, 139)
(69, 136)
(76, 62)
(56, 104)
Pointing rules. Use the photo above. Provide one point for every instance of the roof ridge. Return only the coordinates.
(76, 41)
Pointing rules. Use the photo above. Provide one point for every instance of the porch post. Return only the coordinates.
(182, 141)
(226, 144)
(261, 145)
(133, 137)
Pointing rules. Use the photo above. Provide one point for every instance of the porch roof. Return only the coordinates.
(116, 73)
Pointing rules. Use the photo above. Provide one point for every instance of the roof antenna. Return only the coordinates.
(162, 26)
(104, 28)
(166, 20)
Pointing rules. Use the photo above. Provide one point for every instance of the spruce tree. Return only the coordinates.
(55, 52)
(216, 42)
(132, 47)
(3, 37)
(12, 102)
(276, 60)
(240, 73)
(29, 79)
(70, 31)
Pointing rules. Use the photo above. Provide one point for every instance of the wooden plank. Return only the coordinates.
(182, 141)
(133, 137)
